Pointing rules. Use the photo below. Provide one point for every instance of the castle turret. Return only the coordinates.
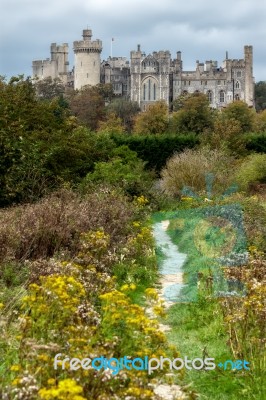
(249, 82)
(87, 60)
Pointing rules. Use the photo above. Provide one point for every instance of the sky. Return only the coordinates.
(200, 29)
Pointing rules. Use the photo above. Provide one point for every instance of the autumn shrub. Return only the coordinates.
(40, 230)
(79, 312)
(252, 169)
(189, 169)
(245, 318)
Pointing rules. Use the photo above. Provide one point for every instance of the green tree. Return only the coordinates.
(112, 124)
(152, 121)
(226, 135)
(241, 112)
(260, 95)
(194, 114)
(88, 106)
(124, 109)
(49, 88)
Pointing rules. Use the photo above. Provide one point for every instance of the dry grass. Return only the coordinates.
(55, 223)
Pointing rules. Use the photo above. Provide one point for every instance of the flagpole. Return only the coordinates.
(111, 47)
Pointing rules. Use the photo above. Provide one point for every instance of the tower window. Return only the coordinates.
(237, 85)
(144, 91)
(238, 74)
(237, 97)
(221, 96)
(149, 93)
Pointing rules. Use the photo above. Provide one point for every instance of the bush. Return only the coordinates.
(40, 230)
(155, 149)
(125, 170)
(256, 143)
(189, 169)
(253, 169)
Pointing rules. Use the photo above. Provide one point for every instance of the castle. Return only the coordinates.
(152, 77)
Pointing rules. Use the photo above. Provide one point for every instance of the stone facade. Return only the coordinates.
(54, 67)
(152, 77)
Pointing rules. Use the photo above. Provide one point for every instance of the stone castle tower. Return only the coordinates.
(54, 67)
(87, 61)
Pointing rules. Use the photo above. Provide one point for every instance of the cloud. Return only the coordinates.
(201, 29)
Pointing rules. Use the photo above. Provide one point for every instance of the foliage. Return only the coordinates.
(256, 142)
(49, 88)
(124, 109)
(226, 135)
(40, 230)
(152, 121)
(124, 170)
(156, 149)
(260, 95)
(194, 114)
(79, 305)
(112, 124)
(88, 106)
(260, 122)
(245, 320)
(240, 111)
(252, 169)
(189, 169)
(24, 123)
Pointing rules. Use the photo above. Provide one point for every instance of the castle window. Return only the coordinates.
(87, 75)
(154, 91)
(81, 64)
(144, 91)
(209, 95)
(94, 63)
(206, 83)
(237, 97)
(189, 83)
(218, 83)
(237, 85)
(221, 96)
(185, 83)
(238, 74)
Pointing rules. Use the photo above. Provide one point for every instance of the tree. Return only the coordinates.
(49, 88)
(152, 121)
(22, 118)
(194, 115)
(260, 95)
(240, 111)
(88, 106)
(112, 124)
(124, 109)
(226, 135)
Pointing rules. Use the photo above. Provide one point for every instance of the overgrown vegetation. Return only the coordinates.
(80, 175)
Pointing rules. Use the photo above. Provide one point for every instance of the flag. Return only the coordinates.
(113, 40)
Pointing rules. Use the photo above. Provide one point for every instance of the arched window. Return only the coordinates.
(237, 85)
(222, 96)
(149, 89)
(237, 97)
(209, 95)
